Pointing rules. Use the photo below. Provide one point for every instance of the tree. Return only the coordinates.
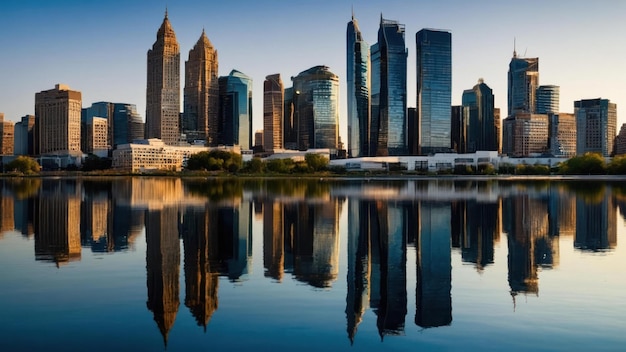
(23, 164)
(586, 164)
(215, 160)
(317, 162)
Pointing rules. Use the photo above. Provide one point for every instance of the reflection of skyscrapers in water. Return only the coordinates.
(235, 233)
(561, 212)
(434, 266)
(596, 218)
(7, 211)
(312, 238)
(163, 266)
(476, 230)
(526, 220)
(201, 271)
(94, 219)
(359, 263)
(57, 222)
(273, 240)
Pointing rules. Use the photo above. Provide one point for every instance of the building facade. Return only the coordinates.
(7, 135)
(388, 126)
(153, 154)
(201, 93)
(478, 114)
(434, 90)
(548, 98)
(273, 110)
(316, 108)
(23, 134)
(124, 123)
(596, 125)
(358, 79)
(524, 135)
(235, 110)
(163, 87)
(95, 136)
(58, 113)
(523, 80)
(620, 141)
(562, 140)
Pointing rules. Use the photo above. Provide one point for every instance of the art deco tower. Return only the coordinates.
(201, 92)
(163, 89)
(273, 110)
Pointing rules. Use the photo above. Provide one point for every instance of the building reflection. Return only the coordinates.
(57, 222)
(596, 221)
(475, 230)
(273, 239)
(434, 266)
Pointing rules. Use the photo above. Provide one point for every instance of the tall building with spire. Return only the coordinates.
(388, 120)
(273, 110)
(201, 92)
(163, 88)
(358, 78)
(523, 81)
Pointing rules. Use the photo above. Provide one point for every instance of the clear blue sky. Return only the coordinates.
(99, 47)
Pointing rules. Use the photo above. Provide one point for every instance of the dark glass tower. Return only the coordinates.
(357, 64)
(434, 90)
(389, 126)
(478, 114)
(235, 114)
(522, 85)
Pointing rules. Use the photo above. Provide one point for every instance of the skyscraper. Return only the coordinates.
(358, 67)
(201, 92)
(23, 134)
(290, 122)
(389, 127)
(163, 88)
(478, 114)
(522, 85)
(316, 104)
(57, 112)
(235, 114)
(434, 90)
(273, 109)
(596, 126)
(7, 136)
(124, 123)
(547, 99)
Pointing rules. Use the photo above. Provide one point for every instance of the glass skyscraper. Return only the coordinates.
(389, 126)
(596, 126)
(316, 107)
(124, 122)
(478, 114)
(235, 113)
(522, 84)
(357, 64)
(434, 90)
(273, 110)
(548, 99)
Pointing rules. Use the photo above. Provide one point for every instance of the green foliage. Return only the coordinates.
(281, 166)
(524, 169)
(463, 170)
(617, 166)
(254, 166)
(486, 169)
(587, 164)
(506, 169)
(93, 162)
(215, 160)
(317, 162)
(23, 164)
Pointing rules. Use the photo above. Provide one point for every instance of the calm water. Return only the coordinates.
(144, 264)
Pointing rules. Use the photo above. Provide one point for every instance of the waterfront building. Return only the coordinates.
(290, 122)
(562, 136)
(458, 129)
(273, 110)
(388, 128)
(478, 115)
(525, 134)
(548, 98)
(358, 79)
(620, 141)
(235, 110)
(523, 80)
(7, 136)
(201, 93)
(316, 108)
(57, 113)
(163, 87)
(124, 122)
(434, 90)
(94, 136)
(596, 125)
(23, 136)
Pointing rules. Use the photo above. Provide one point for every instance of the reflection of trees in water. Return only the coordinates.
(589, 192)
(215, 189)
(23, 188)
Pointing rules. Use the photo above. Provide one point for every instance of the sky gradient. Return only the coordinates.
(100, 48)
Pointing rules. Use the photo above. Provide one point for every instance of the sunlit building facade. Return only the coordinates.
(273, 110)
(358, 79)
(201, 93)
(525, 134)
(316, 104)
(434, 90)
(523, 80)
(235, 110)
(562, 140)
(388, 126)
(153, 154)
(596, 125)
(163, 87)
(620, 141)
(7, 136)
(58, 113)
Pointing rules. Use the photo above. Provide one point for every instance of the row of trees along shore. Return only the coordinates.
(224, 162)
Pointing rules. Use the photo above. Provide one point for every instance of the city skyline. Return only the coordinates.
(95, 56)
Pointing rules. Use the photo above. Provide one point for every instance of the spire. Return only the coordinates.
(165, 11)
(514, 51)
(352, 12)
